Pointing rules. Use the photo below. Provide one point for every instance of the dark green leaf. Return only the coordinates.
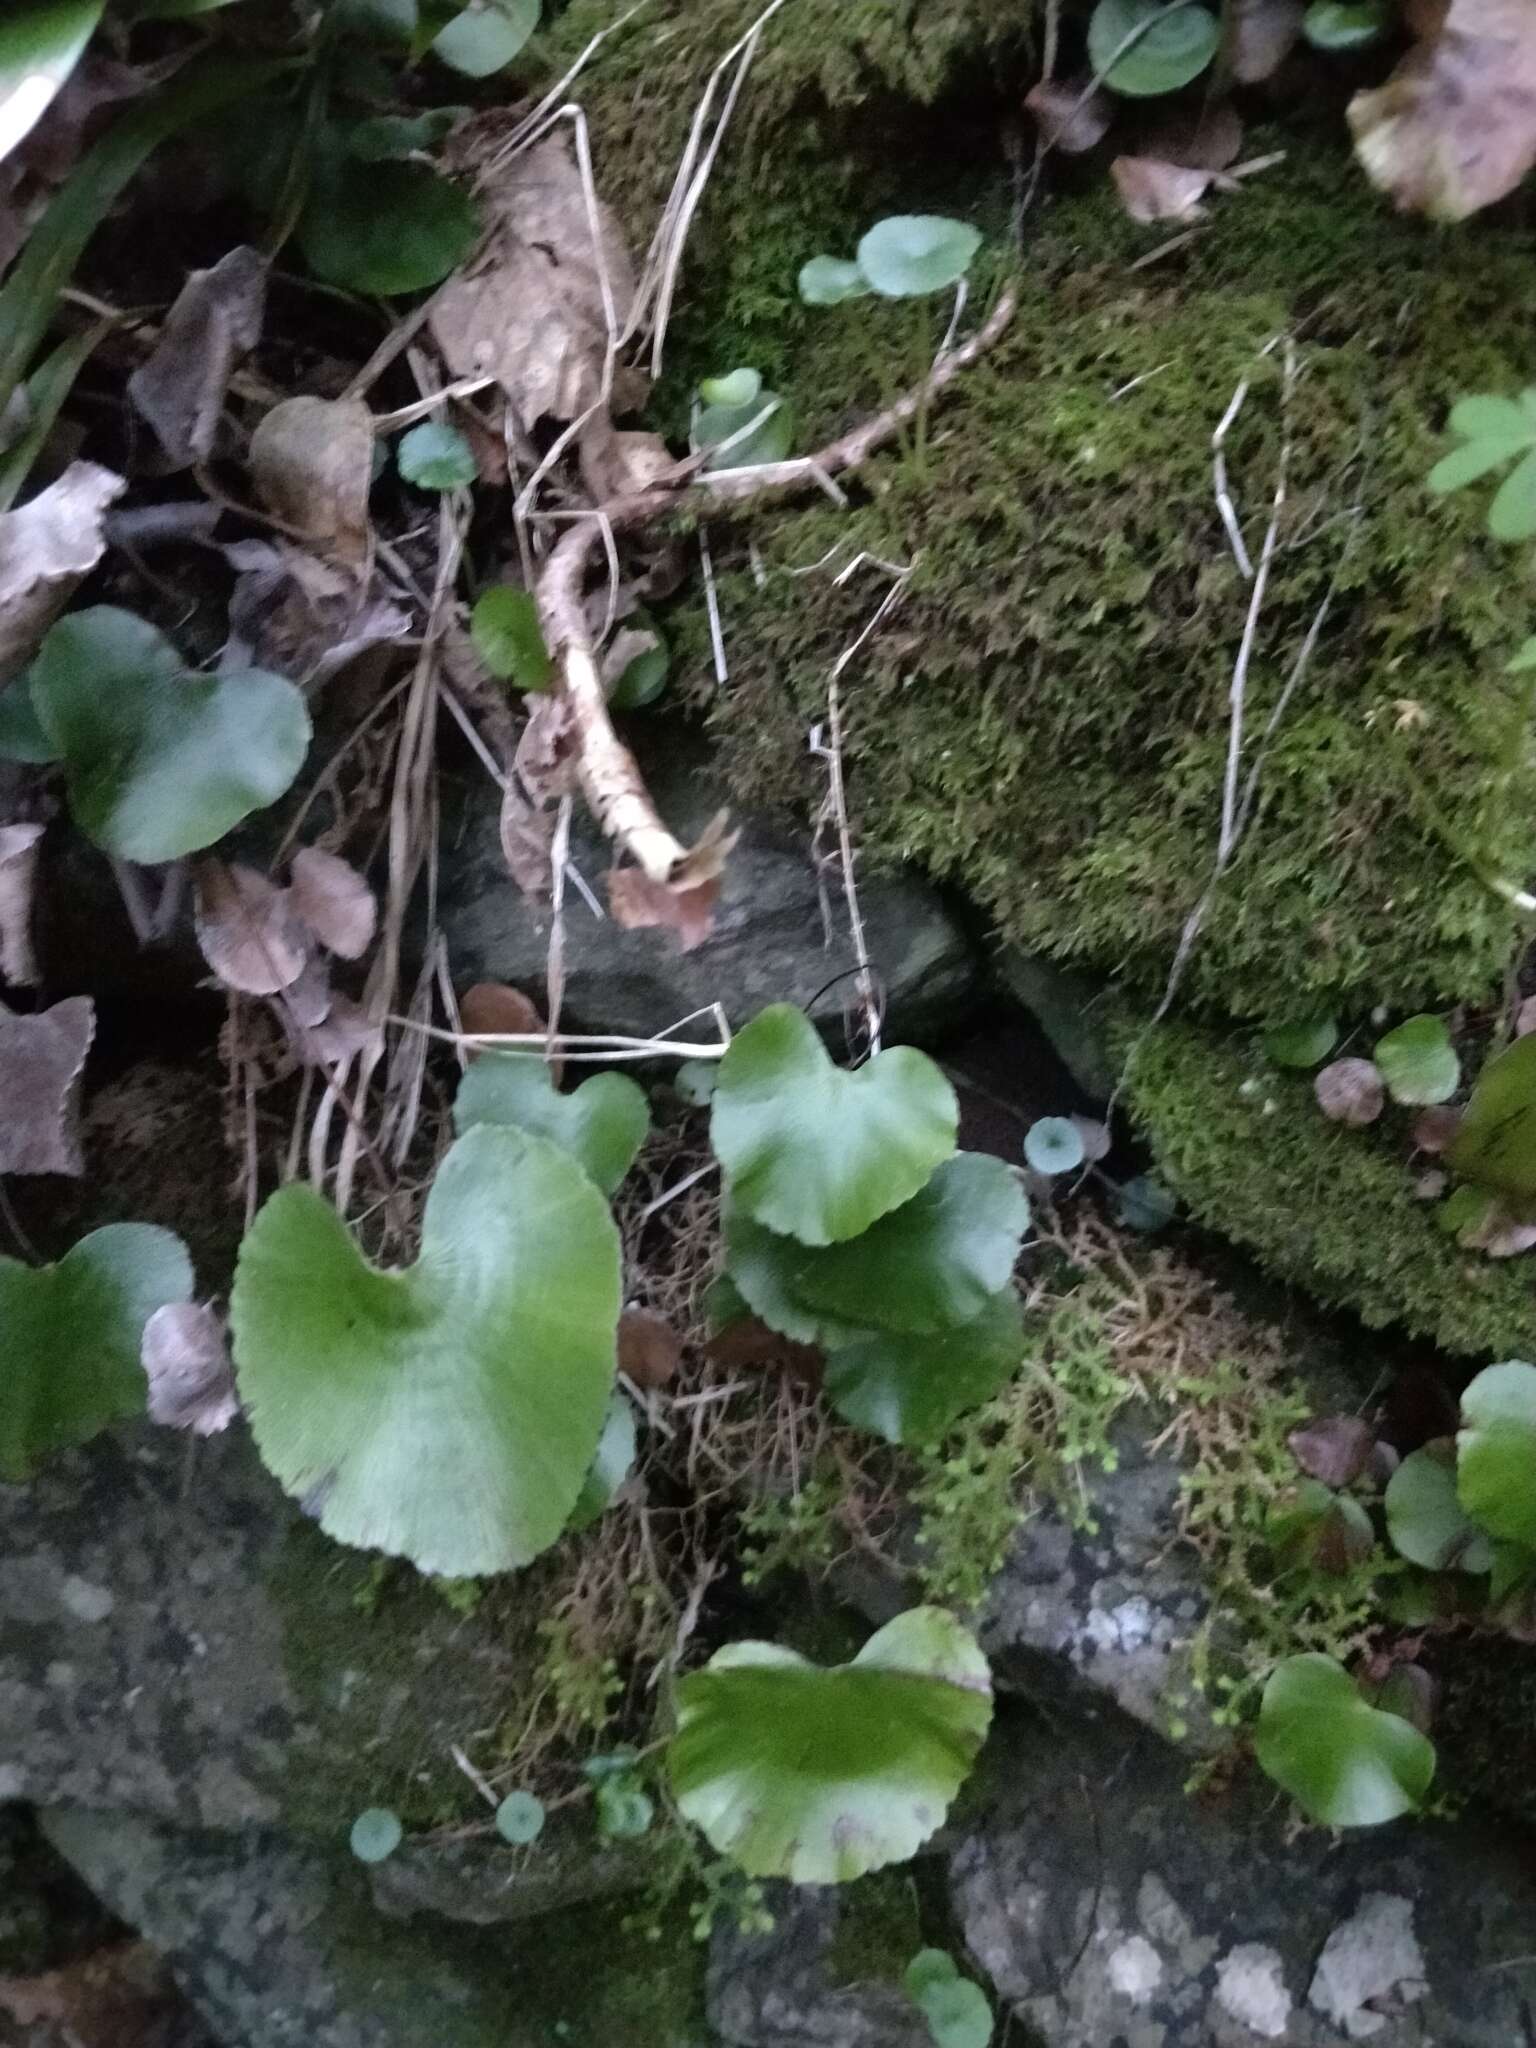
(504, 626)
(1143, 47)
(909, 1389)
(41, 42)
(1418, 1061)
(386, 228)
(1495, 1146)
(1305, 1043)
(1425, 1518)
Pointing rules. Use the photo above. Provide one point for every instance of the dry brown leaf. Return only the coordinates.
(42, 1060)
(1433, 1129)
(650, 1350)
(1454, 127)
(18, 887)
(1335, 1448)
(1259, 35)
(546, 752)
(532, 312)
(246, 929)
(290, 612)
(491, 1008)
(1073, 115)
(307, 1001)
(1498, 1234)
(117, 1997)
(1430, 1186)
(312, 464)
(1350, 1092)
(616, 465)
(639, 904)
(527, 840)
(627, 645)
(186, 1359)
(1151, 190)
(750, 1344)
(1525, 1018)
(1208, 137)
(46, 547)
(334, 901)
(181, 387)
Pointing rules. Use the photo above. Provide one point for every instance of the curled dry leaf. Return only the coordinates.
(1205, 138)
(1259, 36)
(334, 901)
(1454, 127)
(1095, 1137)
(534, 312)
(1525, 1018)
(312, 464)
(1073, 115)
(617, 465)
(748, 1344)
(246, 929)
(47, 547)
(121, 1996)
(306, 1001)
(186, 1360)
(42, 1060)
(336, 1038)
(291, 613)
(1498, 1234)
(1436, 1127)
(1430, 1186)
(546, 752)
(527, 844)
(638, 904)
(216, 321)
(1152, 191)
(1335, 1449)
(1350, 1092)
(18, 887)
(491, 1009)
(650, 1350)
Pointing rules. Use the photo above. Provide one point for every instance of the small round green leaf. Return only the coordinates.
(1496, 1452)
(909, 1389)
(436, 457)
(158, 762)
(1345, 1763)
(449, 1413)
(613, 1464)
(1142, 48)
(769, 440)
(504, 626)
(932, 1264)
(929, 1966)
(1305, 1043)
(624, 1809)
(1054, 1144)
(487, 36)
(1418, 1061)
(1495, 1143)
(386, 228)
(1426, 1521)
(911, 254)
(792, 1770)
(376, 1834)
(70, 1336)
(520, 1819)
(1344, 24)
(602, 1124)
(736, 388)
(817, 1153)
(957, 2013)
(829, 281)
(41, 42)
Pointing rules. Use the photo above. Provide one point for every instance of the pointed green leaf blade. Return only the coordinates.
(602, 1124)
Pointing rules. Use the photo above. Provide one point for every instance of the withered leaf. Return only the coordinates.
(527, 838)
(47, 546)
(650, 1350)
(42, 1061)
(491, 1009)
(1152, 191)
(181, 387)
(1259, 35)
(307, 1001)
(290, 612)
(18, 884)
(312, 464)
(1203, 138)
(246, 928)
(1073, 115)
(1498, 1234)
(1454, 127)
(334, 900)
(546, 751)
(1350, 1092)
(747, 1344)
(1335, 1449)
(615, 464)
(336, 1038)
(1434, 1128)
(121, 1996)
(638, 903)
(186, 1359)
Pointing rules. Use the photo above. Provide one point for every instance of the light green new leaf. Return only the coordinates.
(376, 1834)
(957, 2013)
(1495, 1142)
(41, 42)
(1305, 1043)
(1344, 24)
(792, 1770)
(928, 1967)
(1426, 1520)
(1418, 1061)
(1345, 1763)
(1495, 431)
(159, 762)
(912, 254)
(1496, 1452)
(504, 626)
(1054, 1144)
(449, 1413)
(1143, 48)
(385, 228)
(932, 1264)
(817, 1153)
(1512, 515)
(613, 1464)
(436, 457)
(737, 387)
(769, 441)
(520, 1819)
(602, 1124)
(69, 1337)
(487, 36)
(830, 280)
(909, 1389)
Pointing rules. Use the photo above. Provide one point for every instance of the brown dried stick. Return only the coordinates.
(610, 776)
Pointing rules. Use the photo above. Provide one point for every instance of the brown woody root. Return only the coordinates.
(610, 777)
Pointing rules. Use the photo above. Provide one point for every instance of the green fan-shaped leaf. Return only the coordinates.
(1496, 1452)
(817, 1775)
(376, 1834)
(385, 228)
(436, 457)
(737, 387)
(769, 441)
(909, 1389)
(760, 1272)
(1142, 47)
(487, 36)
(602, 1124)
(829, 280)
(1054, 1144)
(928, 1967)
(41, 42)
(448, 1413)
(1502, 422)
(932, 1264)
(1426, 1520)
(520, 1819)
(911, 254)
(1345, 1763)
(1512, 515)
(1495, 1142)
(644, 676)
(614, 1462)
(504, 626)
(1344, 24)
(158, 762)
(1305, 1043)
(1418, 1061)
(957, 2013)
(69, 1337)
(817, 1153)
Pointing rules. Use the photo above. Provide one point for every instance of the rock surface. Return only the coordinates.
(769, 943)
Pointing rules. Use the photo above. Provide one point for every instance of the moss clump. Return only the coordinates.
(1323, 1205)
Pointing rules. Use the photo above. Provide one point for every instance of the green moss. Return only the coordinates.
(1323, 1205)
(879, 1929)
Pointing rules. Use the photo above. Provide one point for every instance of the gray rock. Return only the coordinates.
(1108, 1906)
(776, 1989)
(769, 943)
(1064, 1002)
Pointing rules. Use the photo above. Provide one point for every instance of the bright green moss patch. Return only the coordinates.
(1323, 1205)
